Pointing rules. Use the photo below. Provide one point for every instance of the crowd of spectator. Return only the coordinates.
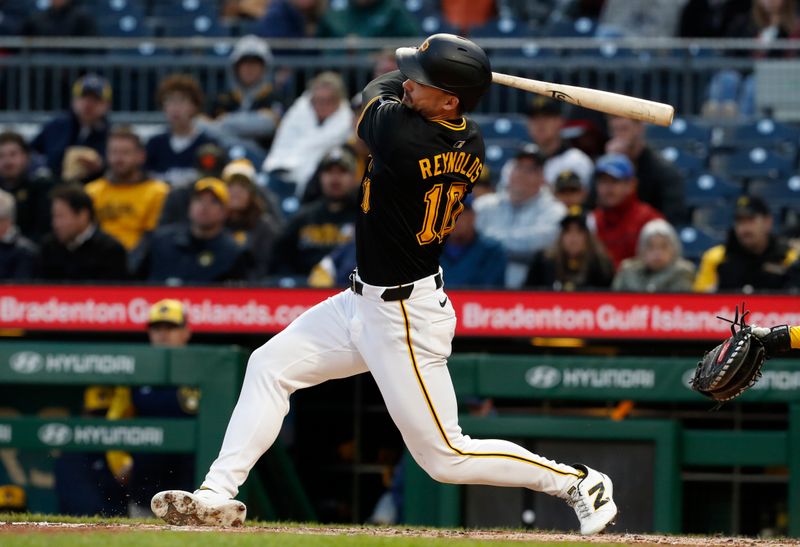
(86, 200)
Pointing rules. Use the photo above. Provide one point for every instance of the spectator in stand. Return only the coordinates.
(323, 225)
(645, 18)
(731, 93)
(711, 18)
(127, 204)
(252, 222)
(248, 113)
(202, 250)
(470, 259)
(576, 261)
(30, 186)
(545, 123)
(78, 250)
(658, 265)
(62, 18)
(85, 125)
(619, 215)
(19, 257)
(752, 258)
(171, 155)
(318, 121)
(524, 218)
(210, 161)
(660, 184)
(569, 190)
(368, 19)
(467, 14)
(247, 9)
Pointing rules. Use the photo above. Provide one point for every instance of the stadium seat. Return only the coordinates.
(696, 241)
(118, 8)
(185, 8)
(201, 25)
(507, 128)
(688, 164)
(421, 9)
(432, 24)
(582, 27)
(504, 27)
(125, 25)
(758, 162)
(783, 194)
(681, 134)
(498, 153)
(707, 189)
(768, 134)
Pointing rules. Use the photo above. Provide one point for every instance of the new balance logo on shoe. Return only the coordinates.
(599, 501)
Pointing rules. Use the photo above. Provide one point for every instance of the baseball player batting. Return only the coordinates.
(396, 320)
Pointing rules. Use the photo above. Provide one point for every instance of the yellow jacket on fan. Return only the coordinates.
(127, 211)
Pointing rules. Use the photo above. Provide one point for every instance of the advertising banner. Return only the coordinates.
(480, 313)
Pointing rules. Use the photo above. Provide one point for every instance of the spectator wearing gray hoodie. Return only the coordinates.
(658, 265)
(249, 111)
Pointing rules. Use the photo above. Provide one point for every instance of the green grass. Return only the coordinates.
(258, 534)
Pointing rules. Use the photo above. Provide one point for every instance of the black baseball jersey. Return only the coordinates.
(412, 192)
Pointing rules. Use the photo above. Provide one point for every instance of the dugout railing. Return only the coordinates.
(28, 368)
(676, 446)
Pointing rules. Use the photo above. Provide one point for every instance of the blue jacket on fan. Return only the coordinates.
(482, 263)
(64, 131)
(172, 252)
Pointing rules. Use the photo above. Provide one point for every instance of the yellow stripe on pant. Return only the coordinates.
(438, 422)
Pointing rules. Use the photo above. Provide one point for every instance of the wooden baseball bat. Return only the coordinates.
(604, 101)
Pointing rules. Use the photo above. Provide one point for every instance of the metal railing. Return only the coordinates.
(36, 74)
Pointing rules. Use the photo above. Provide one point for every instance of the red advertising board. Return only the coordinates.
(480, 313)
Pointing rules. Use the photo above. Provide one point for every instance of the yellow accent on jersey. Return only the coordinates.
(794, 334)
(707, 279)
(454, 126)
(127, 211)
(438, 422)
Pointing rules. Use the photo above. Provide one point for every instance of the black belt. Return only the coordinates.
(394, 293)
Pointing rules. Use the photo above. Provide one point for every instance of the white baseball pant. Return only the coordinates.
(405, 345)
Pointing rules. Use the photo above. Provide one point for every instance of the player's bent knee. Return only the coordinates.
(442, 469)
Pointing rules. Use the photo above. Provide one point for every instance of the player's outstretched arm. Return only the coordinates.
(778, 339)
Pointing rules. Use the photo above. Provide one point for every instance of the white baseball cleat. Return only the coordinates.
(592, 497)
(202, 508)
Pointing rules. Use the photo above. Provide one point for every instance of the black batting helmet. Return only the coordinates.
(450, 63)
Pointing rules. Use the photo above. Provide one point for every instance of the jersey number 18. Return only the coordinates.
(432, 230)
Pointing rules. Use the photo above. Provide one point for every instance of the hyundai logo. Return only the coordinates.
(543, 377)
(26, 362)
(55, 434)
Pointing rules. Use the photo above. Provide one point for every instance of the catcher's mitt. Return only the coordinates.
(733, 366)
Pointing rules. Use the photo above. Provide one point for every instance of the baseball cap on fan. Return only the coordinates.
(543, 106)
(218, 188)
(92, 84)
(567, 181)
(340, 156)
(751, 206)
(167, 311)
(530, 151)
(616, 166)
